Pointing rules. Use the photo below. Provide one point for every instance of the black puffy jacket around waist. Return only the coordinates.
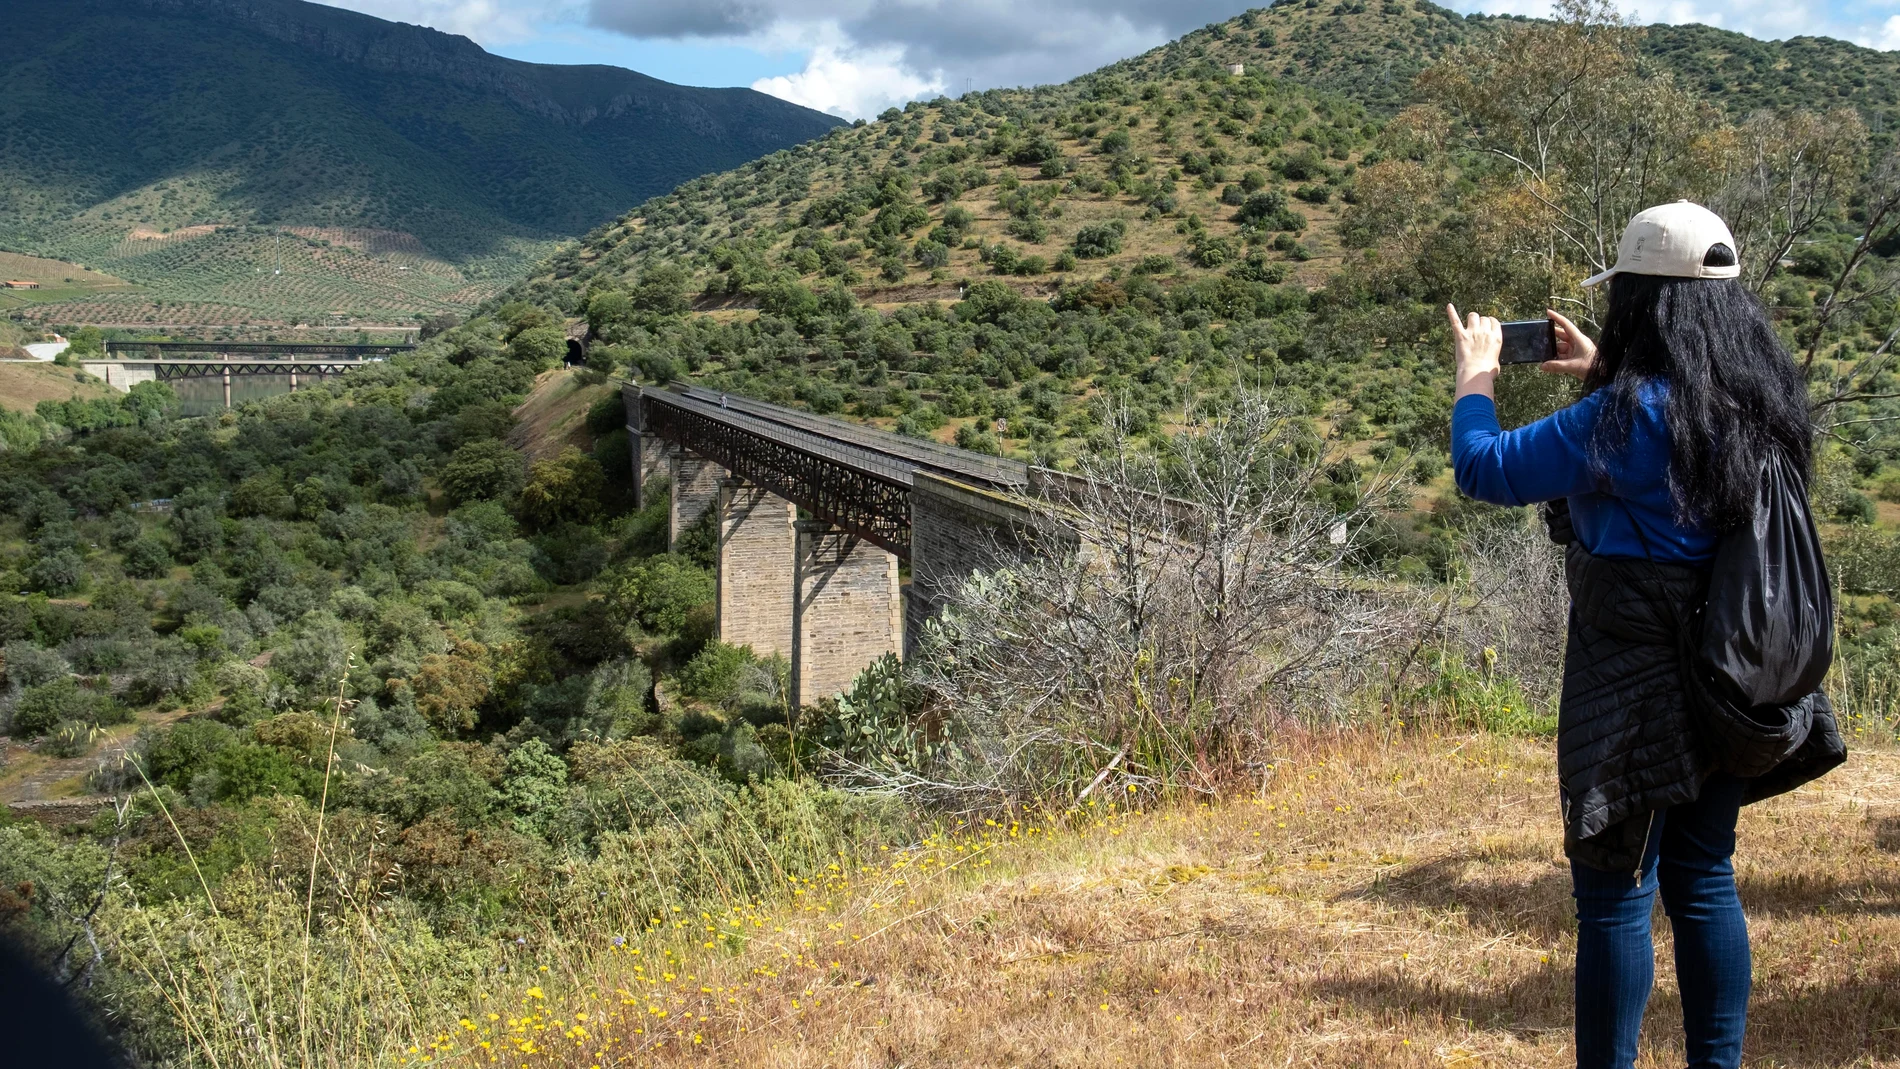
(1626, 738)
(1627, 741)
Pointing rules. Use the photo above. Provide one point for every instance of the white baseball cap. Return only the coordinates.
(1671, 240)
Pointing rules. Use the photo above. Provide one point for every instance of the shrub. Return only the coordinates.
(244, 772)
(617, 705)
(71, 738)
(932, 253)
(716, 671)
(1268, 209)
(57, 573)
(316, 653)
(659, 593)
(483, 470)
(742, 758)
(533, 786)
(606, 415)
(1301, 166)
(1037, 150)
(44, 706)
(540, 347)
(1038, 708)
(1100, 239)
(1034, 231)
(28, 665)
(570, 553)
(564, 489)
(977, 441)
(177, 754)
(1856, 507)
(147, 557)
(449, 688)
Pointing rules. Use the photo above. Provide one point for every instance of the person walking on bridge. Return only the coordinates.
(1688, 400)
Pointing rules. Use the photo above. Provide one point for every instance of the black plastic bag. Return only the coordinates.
(1766, 637)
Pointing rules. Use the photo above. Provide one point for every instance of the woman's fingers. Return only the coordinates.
(1575, 351)
(1457, 325)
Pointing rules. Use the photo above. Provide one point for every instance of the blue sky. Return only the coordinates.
(856, 57)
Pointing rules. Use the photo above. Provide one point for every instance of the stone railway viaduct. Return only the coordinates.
(815, 517)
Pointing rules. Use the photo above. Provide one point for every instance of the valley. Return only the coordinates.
(1143, 690)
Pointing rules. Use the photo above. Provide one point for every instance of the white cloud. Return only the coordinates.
(1866, 22)
(944, 45)
(1889, 37)
(851, 82)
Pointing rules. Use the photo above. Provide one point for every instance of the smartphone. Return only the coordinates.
(1529, 341)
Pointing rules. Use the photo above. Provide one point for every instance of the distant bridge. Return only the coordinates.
(823, 590)
(128, 363)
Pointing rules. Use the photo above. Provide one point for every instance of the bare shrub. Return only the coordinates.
(1513, 605)
(1184, 599)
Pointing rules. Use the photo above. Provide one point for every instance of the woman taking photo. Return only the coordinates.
(1685, 399)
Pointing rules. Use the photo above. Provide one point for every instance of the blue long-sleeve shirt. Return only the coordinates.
(1549, 459)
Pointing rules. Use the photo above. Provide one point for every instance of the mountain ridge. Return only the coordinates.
(281, 114)
(398, 47)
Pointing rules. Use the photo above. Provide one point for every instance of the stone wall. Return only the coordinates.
(652, 458)
(846, 611)
(955, 530)
(695, 489)
(756, 543)
(119, 375)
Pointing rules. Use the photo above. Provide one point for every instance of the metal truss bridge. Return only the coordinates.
(854, 477)
(196, 360)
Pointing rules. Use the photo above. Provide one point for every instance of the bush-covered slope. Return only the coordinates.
(989, 270)
(1371, 50)
(118, 115)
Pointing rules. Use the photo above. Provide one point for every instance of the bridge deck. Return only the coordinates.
(342, 361)
(870, 462)
(155, 350)
(908, 453)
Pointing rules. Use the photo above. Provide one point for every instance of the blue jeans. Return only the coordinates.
(1688, 859)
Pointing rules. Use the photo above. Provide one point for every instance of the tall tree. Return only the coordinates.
(1589, 133)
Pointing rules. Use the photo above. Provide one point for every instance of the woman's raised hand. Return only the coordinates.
(1575, 351)
(1476, 344)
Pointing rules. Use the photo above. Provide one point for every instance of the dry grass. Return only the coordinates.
(22, 386)
(1380, 903)
(554, 416)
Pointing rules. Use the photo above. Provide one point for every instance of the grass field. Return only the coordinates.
(1377, 902)
(23, 386)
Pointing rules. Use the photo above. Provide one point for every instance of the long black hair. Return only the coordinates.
(1733, 391)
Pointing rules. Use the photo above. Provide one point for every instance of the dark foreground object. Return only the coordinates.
(41, 1023)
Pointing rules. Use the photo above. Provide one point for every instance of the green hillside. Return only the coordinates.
(435, 753)
(123, 119)
(1165, 229)
(1371, 51)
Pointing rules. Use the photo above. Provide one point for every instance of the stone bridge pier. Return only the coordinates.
(846, 611)
(814, 518)
(757, 540)
(695, 488)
